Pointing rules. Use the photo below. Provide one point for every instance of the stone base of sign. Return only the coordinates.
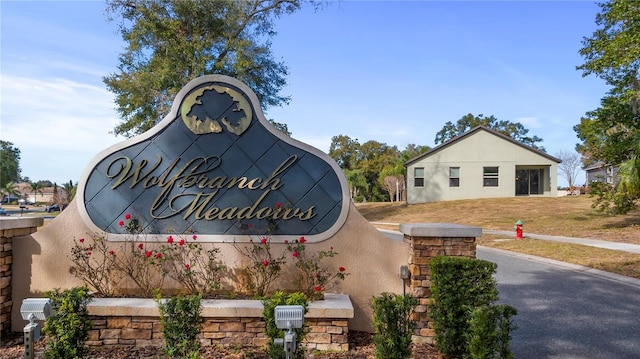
(135, 322)
(426, 241)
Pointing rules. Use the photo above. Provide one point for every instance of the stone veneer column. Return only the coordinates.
(428, 240)
(10, 228)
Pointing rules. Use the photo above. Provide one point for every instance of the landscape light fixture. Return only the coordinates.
(404, 275)
(33, 309)
(288, 317)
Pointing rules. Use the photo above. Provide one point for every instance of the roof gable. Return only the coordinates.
(470, 133)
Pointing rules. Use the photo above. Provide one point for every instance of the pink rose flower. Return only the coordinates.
(158, 255)
(121, 223)
(181, 243)
(148, 254)
(187, 266)
(265, 262)
(127, 216)
(170, 239)
(81, 240)
(263, 240)
(295, 254)
(194, 237)
(302, 240)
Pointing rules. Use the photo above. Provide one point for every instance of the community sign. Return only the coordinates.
(217, 168)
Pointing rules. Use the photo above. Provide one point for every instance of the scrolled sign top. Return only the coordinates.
(215, 167)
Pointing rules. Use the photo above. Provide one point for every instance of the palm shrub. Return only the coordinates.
(68, 328)
(393, 325)
(180, 318)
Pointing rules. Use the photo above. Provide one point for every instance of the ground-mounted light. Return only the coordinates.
(288, 317)
(33, 309)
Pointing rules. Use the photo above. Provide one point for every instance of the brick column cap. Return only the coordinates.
(442, 230)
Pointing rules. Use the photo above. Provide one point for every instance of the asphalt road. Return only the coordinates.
(567, 311)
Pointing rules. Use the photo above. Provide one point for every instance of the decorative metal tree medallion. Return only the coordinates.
(214, 166)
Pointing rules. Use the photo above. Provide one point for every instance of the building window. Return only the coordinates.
(490, 176)
(454, 176)
(418, 177)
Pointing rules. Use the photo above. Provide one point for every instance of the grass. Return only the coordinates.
(562, 216)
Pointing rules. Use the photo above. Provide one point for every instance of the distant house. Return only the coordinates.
(481, 163)
(600, 172)
(45, 195)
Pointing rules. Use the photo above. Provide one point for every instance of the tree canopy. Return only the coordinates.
(515, 130)
(171, 42)
(612, 53)
(9, 163)
(611, 133)
(375, 171)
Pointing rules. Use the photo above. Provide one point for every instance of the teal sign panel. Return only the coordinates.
(215, 167)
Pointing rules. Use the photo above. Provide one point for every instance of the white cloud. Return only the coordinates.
(57, 124)
(530, 122)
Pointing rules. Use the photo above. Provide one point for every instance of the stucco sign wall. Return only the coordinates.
(216, 167)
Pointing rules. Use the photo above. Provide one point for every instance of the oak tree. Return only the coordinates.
(611, 133)
(515, 130)
(170, 42)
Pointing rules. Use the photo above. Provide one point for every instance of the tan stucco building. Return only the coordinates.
(481, 163)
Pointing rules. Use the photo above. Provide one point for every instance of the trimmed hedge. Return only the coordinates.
(463, 292)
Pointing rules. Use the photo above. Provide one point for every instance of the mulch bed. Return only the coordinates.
(360, 344)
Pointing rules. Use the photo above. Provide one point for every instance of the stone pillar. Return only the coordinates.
(9, 229)
(428, 240)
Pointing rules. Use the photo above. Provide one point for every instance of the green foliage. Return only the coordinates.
(459, 285)
(9, 163)
(70, 188)
(9, 189)
(610, 134)
(35, 188)
(514, 130)
(611, 52)
(272, 331)
(180, 318)
(364, 163)
(609, 200)
(68, 328)
(489, 335)
(393, 325)
(170, 42)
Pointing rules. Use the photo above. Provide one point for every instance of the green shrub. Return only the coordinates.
(393, 325)
(180, 318)
(68, 328)
(272, 331)
(458, 285)
(489, 335)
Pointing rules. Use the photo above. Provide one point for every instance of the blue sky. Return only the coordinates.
(389, 71)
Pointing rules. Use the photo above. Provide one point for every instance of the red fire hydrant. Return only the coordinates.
(518, 229)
